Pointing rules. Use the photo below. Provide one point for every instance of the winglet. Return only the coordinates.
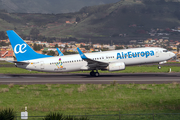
(81, 54)
(60, 53)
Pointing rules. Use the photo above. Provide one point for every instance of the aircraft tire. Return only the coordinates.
(91, 73)
(96, 74)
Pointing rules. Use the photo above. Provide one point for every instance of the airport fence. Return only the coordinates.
(151, 116)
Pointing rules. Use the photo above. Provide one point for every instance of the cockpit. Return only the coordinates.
(165, 50)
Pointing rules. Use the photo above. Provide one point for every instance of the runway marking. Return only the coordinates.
(41, 81)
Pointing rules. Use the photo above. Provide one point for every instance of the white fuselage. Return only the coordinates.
(74, 62)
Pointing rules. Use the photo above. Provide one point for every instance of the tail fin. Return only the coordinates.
(21, 49)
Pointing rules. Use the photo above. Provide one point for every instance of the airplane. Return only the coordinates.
(115, 60)
(59, 52)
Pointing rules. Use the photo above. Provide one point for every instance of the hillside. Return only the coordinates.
(111, 20)
(48, 6)
(124, 20)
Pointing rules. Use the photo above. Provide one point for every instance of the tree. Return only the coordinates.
(52, 53)
(66, 46)
(36, 47)
(178, 48)
(78, 19)
(34, 33)
(117, 48)
(44, 52)
(3, 44)
(2, 35)
(56, 46)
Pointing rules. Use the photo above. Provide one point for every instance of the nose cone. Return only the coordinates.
(172, 55)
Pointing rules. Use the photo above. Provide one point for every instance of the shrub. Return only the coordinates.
(4, 90)
(59, 116)
(54, 116)
(11, 85)
(74, 118)
(7, 114)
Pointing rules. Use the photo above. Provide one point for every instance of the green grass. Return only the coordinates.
(4, 62)
(91, 98)
(14, 70)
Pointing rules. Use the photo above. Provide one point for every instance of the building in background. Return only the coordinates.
(7, 55)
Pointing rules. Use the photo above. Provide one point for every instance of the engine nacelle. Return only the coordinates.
(116, 66)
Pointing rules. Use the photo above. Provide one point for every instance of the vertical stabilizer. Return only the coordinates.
(21, 49)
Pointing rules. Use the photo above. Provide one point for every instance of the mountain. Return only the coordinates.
(134, 19)
(48, 6)
(122, 21)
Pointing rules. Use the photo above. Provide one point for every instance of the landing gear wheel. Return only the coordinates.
(96, 74)
(159, 67)
(92, 73)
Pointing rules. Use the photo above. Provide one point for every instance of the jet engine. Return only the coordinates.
(116, 66)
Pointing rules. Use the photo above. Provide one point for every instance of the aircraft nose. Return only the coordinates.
(172, 54)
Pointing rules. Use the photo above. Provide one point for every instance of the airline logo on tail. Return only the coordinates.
(20, 48)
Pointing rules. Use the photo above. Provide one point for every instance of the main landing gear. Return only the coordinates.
(95, 74)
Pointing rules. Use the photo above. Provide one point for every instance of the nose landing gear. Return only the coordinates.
(159, 67)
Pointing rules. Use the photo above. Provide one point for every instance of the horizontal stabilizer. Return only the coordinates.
(18, 62)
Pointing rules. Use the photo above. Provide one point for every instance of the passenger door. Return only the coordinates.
(41, 65)
(157, 52)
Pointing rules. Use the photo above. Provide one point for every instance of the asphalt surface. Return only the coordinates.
(104, 78)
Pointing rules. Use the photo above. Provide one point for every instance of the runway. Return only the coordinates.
(85, 78)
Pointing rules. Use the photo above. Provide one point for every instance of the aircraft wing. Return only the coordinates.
(92, 63)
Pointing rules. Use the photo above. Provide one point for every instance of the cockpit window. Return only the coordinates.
(165, 50)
